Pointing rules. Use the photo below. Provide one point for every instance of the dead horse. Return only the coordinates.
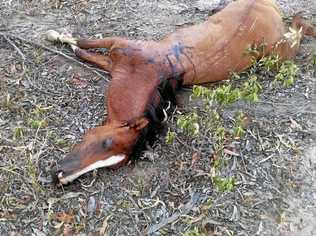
(146, 73)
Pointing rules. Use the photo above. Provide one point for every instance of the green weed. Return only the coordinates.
(170, 137)
(37, 124)
(18, 133)
(250, 89)
(224, 184)
(286, 74)
(238, 129)
(193, 232)
(189, 124)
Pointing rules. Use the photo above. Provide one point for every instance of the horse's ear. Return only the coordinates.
(139, 123)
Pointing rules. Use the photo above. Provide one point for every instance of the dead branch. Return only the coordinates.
(14, 46)
(195, 198)
(7, 36)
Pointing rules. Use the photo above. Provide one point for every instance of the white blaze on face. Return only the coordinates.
(113, 160)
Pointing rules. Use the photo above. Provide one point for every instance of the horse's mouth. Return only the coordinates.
(65, 178)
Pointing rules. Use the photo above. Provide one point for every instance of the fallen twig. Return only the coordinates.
(14, 46)
(7, 36)
(195, 198)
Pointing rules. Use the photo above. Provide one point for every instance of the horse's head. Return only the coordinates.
(103, 146)
(137, 94)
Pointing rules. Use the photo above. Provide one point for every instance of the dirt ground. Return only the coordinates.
(48, 101)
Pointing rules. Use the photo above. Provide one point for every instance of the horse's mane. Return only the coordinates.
(165, 92)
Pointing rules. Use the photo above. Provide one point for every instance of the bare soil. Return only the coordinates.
(48, 101)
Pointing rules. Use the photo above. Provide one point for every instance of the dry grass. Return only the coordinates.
(47, 101)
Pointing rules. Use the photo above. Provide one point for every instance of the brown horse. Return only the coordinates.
(145, 74)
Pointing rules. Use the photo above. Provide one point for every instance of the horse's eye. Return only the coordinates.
(107, 143)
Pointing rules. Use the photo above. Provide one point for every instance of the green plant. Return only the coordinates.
(313, 62)
(8, 103)
(201, 92)
(39, 110)
(18, 132)
(61, 142)
(225, 95)
(269, 63)
(207, 205)
(287, 73)
(189, 123)
(255, 50)
(37, 124)
(193, 232)
(238, 129)
(212, 120)
(32, 173)
(234, 76)
(170, 136)
(250, 89)
(224, 184)
(219, 136)
(220, 133)
(215, 116)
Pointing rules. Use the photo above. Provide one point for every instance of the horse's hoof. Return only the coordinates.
(52, 35)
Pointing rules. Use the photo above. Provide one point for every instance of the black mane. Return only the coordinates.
(166, 94)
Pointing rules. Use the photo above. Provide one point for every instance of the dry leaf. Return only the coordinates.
(66, 218)
(295, 125)
(78, 82)
(246, 121)
(195, 158)
(229, 152)
(104, 226)
(67, 230)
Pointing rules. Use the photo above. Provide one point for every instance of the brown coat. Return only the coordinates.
(146, 73)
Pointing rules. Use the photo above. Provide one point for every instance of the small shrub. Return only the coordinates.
(201, 92)
(226, 95)
(238, 129)
(224, 184)
(287, 73)
(18, 133)
(189, 124)
(61, 142)
(37, 124)
(250, 89)
(269, 63)
(219, 136)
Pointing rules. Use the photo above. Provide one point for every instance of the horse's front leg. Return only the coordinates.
(100, 60)
(108, 43)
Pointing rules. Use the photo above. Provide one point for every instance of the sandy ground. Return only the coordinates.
(162, 193)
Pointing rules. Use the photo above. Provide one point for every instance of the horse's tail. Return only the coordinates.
(303, 26)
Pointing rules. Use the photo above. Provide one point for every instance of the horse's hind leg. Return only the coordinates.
(288, 46)
(299, 22)
(83, 43)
